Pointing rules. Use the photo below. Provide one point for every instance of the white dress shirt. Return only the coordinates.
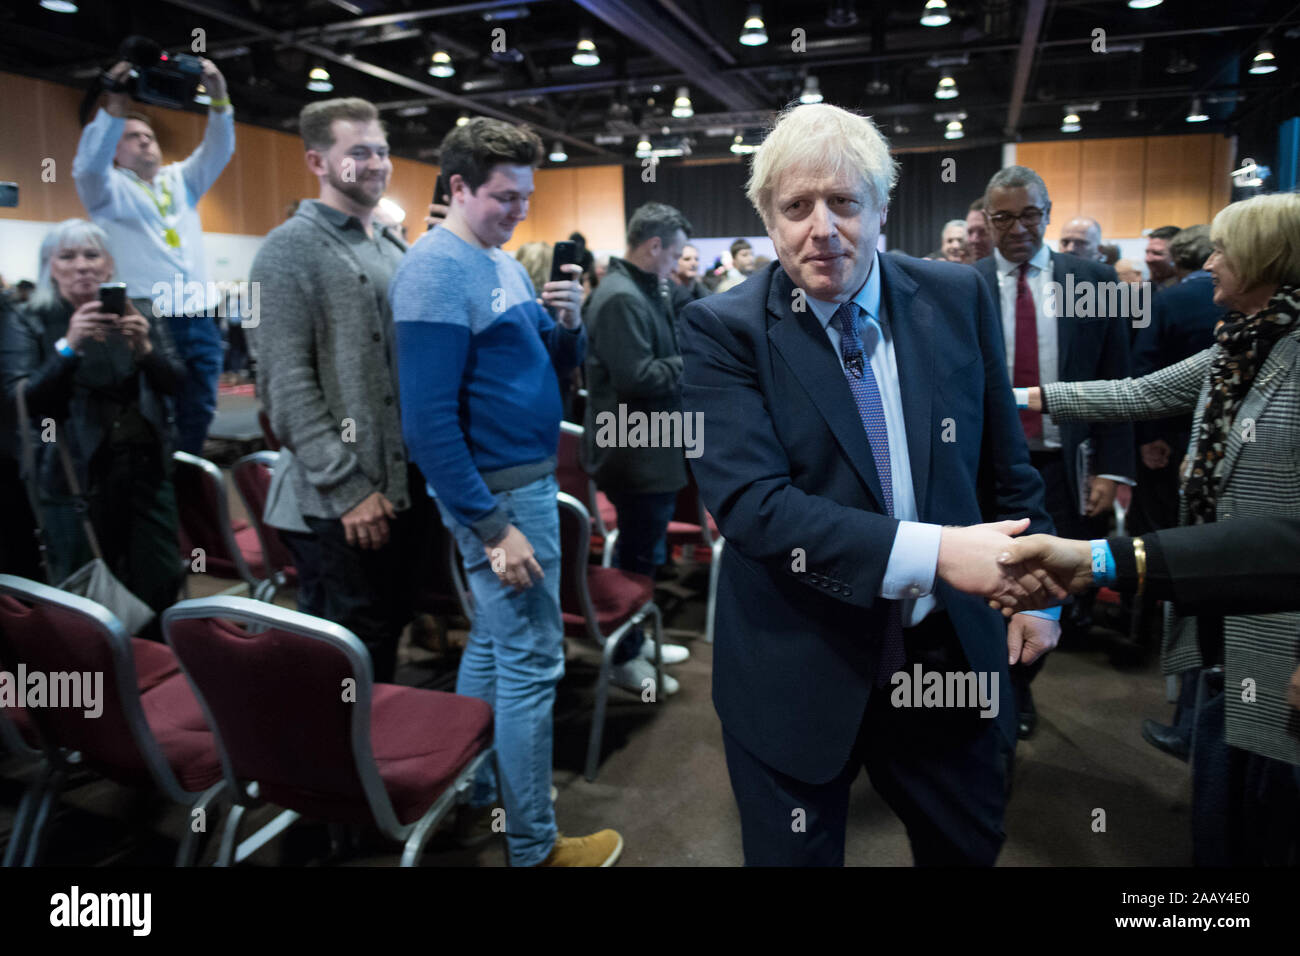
(1049, 368)
(909, 575)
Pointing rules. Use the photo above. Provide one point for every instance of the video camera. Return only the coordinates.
(159, 78)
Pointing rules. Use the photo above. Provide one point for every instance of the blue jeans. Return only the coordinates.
(514, 659)
(641, 546)
(198, 342)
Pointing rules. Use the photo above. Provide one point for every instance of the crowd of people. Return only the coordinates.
(412, 384)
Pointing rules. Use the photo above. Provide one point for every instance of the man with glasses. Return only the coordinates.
(1046, 341)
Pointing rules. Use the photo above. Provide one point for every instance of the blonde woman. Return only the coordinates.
(1243, 460)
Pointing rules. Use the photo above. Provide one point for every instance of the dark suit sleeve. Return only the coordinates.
(1010, 486)
(1243, 566)
(1112, 443)
(744, 473)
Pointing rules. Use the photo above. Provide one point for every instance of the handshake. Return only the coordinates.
(1013, 574)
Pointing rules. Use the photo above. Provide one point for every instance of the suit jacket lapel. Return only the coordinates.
(802, 343)
(912, 324)
(1267, 381)
(1065, 328)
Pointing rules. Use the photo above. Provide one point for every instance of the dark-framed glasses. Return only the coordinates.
(1031, 217)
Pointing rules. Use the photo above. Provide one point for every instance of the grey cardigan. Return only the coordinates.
(1260, 477)
(324, 371)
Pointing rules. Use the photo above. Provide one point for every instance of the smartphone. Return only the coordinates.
(8, 194)
(442, 190)
(112, 297)
(565, 254)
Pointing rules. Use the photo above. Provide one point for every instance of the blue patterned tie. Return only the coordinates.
(866, 395)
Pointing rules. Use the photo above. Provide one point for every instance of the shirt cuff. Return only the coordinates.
(912, 561)
(1047, 613)
(1120, 479)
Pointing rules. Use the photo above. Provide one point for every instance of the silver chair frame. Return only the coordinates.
(29, 838)
(578, 568)
(259, 616)
(249, 581)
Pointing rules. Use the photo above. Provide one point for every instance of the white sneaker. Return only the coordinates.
(672, 653)
(632, 676)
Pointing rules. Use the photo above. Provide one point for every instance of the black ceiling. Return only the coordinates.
(1017, 63)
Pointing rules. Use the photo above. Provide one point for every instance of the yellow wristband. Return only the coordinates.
(1140, 556)
(219, 104)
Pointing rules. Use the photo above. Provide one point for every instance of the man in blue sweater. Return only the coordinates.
(479, 362)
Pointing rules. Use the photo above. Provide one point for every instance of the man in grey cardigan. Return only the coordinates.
(329, 377)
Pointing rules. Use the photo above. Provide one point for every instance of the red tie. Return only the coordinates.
(1025, 369)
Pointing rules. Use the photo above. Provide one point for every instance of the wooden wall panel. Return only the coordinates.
(411, 187)
(1177, 189)
(1110, 184)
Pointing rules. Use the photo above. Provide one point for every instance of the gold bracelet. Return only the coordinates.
(1140, 556)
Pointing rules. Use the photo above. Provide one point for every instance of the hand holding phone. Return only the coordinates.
(112, 298)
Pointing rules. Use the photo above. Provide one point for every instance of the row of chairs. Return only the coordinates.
(247, 703)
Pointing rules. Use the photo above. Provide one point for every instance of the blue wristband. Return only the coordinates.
(1103, 563)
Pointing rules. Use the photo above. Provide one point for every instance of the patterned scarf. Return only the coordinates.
(1246, 343)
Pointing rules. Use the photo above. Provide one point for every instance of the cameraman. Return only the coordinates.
(150, 214)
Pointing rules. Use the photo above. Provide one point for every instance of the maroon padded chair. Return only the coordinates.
(573, 480)
(232, 550)
(149, 729)
(600, 604)
(301, 724)
(691, 525)
(252, 478)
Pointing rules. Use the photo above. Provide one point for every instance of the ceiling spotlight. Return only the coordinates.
(947, 88)
(936, 14)
(59, 6)
(1133, 112)
(643, 146)
(682, 108)
(811, 91)
(440, 65)
(318, 80)
(1071, 123)
(1264, 61)
(740, 147)
(1196, 114)
(462, 119)
(1144, 4)
(754, 32)
(954, 130)
(558, 155)
(585, 54)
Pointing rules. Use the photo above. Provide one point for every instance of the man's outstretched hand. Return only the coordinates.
(1061, 566)
(971, 560)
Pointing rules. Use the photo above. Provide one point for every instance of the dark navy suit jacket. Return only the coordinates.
(787, 472)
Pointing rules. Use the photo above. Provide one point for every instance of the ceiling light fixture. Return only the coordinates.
(947, 88)
(754, 32)
(1144, 4)
(1264, 60)
(558, 155)
(682, 108)
(462, 119)
(1196, 114)
(811, 90)
(585, 54)
(1071, 123)
(954, 130)
(936, 14)
(440, 65)
(59, 6)
(318, 80)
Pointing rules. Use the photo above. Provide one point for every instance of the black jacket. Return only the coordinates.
(633, 359)
(71, 391)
